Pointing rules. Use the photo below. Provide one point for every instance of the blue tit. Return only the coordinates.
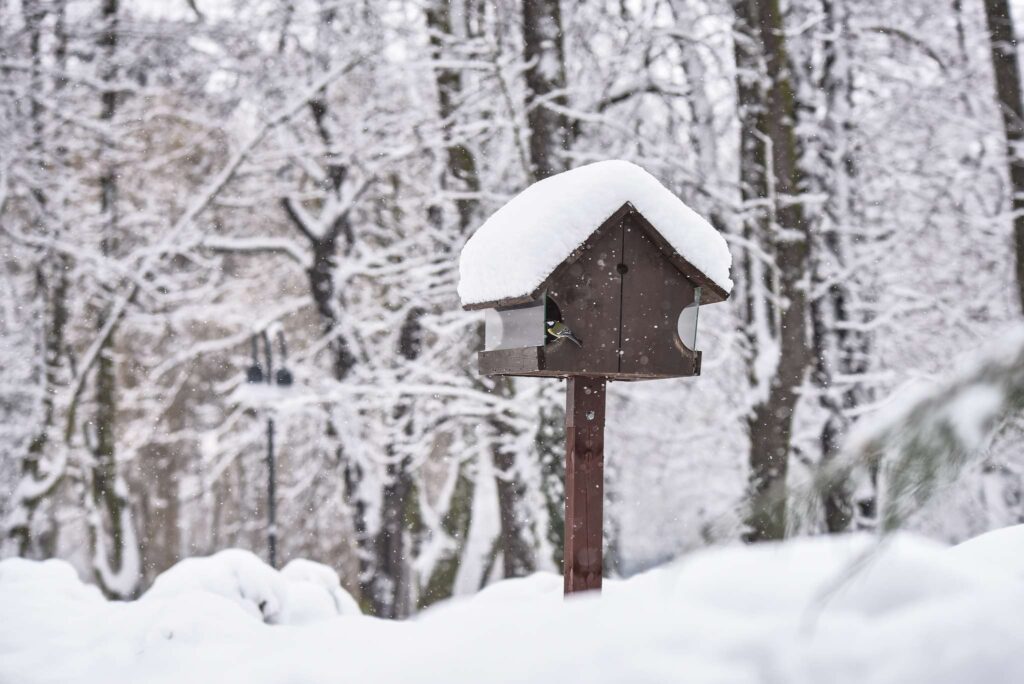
(560, 330)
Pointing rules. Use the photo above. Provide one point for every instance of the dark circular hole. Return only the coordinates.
(622, 268)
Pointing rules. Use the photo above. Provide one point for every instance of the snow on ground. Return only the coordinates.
(315, 593)
(837, 609)
(303, 591)
(999, 548)
(522, 243)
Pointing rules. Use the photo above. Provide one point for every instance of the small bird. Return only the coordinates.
(560, 330)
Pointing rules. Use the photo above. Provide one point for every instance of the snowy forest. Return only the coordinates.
(228, 226)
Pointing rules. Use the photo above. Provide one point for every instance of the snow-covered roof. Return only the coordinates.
(518, 247)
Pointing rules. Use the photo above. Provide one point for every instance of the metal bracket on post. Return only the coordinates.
(584, 483)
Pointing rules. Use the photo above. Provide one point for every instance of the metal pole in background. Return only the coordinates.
(271, 496)
(271, 479)
(268, 354)
(282, 378)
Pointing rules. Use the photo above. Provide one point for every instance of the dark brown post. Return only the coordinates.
(584, 483)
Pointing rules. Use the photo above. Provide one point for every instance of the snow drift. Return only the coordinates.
(838, 609)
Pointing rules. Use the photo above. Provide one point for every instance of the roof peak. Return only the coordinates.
(518, 248)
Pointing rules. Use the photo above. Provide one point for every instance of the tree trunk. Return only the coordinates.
(769, 170)
(543, 50)
(1003, 46)
(460, 172)
(389, 588)
(40, 476)
(460, 162)
(113, 561)
(157, 476)
(551, 136)
(323, 238)
(840, 349)
(320, 274)
(517, 551)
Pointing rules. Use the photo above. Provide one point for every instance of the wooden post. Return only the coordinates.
(584, 483)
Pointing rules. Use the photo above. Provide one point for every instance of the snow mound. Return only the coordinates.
(842, 610)
(233, 574)
(315, 593)
(522, 243)
(852, 574)
(58, 577)
(540, 585)
(1002, 549)
(301, 593)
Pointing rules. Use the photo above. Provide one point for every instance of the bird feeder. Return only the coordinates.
(592, 275)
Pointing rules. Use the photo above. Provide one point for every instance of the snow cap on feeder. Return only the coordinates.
(597, 271)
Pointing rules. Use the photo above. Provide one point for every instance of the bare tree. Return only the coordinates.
(544, 52)
(41, 472)
(111, 528)
(1006, 70)
(841, 343)
(774, 296)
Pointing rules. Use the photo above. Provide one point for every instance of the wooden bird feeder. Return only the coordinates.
(629, 292)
